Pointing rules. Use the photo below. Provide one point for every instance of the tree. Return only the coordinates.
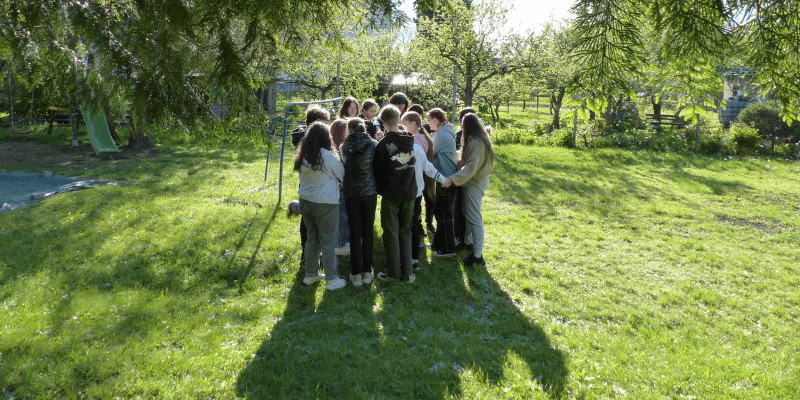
(471, 37)
(362, 62)
(501, 90)
(611, 46)
(145, 50)
(555, 72)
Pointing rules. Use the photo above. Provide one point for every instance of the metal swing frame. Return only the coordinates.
(285, 118)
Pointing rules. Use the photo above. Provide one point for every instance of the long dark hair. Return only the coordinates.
(464, 111)
(346, 104)
(474, 129)
(399, 98)
(318, 137)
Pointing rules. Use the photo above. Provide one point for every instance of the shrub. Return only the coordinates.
(787, 149)
(767, 120)
(743, 139)
(603, 142)
(712, 142)
(561, 138)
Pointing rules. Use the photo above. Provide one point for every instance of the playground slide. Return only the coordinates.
(99, 134)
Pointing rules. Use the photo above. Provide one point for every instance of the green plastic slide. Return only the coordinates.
(99, 134)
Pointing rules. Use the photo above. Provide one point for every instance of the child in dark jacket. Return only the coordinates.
(361, 199)
(395, 181)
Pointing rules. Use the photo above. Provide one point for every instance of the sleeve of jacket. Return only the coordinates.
(379, 167)
(476, 153)
(333, 165)
(428, 167)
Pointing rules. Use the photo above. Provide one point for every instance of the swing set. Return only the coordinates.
(11, 103)
(285, 119)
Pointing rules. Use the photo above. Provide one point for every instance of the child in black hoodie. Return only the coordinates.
(395, 180)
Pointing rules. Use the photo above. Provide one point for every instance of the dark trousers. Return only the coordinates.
(444, 239)
(396, 218)
(361, 219)
(459, 220)
(416, 228)
(430, 203)
(303, 235)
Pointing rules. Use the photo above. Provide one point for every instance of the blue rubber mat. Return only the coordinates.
(18, 189)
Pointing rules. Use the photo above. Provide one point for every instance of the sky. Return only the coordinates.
(525, 14)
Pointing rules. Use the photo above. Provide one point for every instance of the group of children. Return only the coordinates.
(343, 168)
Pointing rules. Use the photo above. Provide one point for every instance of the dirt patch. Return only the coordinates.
(37, 157)
(743, 222)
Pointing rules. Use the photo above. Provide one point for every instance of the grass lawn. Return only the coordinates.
(611, 274)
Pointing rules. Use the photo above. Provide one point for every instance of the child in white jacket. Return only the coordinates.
(413, 123)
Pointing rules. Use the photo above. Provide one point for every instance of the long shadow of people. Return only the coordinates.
(420, 340)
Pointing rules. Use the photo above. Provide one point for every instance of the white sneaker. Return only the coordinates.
(344, 250)
(366, 278)
(356, 279)
(310, 280)
(336, 284)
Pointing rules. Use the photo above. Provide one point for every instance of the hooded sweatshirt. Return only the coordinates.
(444, 149)
(393, 166)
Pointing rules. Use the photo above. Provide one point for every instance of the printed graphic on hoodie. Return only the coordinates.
(403, 158)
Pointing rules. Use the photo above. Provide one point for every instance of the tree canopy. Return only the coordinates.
(699, 36)
(144, 50)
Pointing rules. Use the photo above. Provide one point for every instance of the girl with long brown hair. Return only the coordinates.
(473, 177)
(321, 172)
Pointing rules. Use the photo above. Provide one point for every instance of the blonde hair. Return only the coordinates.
(417, 119)
(390, 115)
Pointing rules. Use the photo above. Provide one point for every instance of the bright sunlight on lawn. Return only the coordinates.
(610, 274)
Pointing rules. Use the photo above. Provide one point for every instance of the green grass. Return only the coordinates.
(611, 274)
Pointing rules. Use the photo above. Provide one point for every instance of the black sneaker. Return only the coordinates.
(415, 264)
(478, 261)
(469, 260)
(384, 276)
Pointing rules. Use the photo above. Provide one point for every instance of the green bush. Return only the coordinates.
(561, 138)
(767, 120)
(787, 149)
(743, 139)
(712, 142)
(604, 142)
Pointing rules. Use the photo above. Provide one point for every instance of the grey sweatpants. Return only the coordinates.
(322, 222)
(471, 200)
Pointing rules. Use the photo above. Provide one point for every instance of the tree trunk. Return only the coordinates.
(111, 127)
(556, 102)
(139, 139)
(656, 108)
(468, 91)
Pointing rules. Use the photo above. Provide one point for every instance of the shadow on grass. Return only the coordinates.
(420, 340)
